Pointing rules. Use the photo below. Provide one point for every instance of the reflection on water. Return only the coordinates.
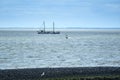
(27, 49)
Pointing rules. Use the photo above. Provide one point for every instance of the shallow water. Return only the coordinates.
(27, 49)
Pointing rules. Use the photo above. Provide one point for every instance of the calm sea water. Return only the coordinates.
(27, 49)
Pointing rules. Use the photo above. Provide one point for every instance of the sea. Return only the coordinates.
(82, 48)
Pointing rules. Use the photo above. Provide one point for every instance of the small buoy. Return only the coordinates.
(66, 37)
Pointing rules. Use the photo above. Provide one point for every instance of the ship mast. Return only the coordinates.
(53, 27)
(44, 25)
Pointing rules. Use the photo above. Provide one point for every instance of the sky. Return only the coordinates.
(65, 13)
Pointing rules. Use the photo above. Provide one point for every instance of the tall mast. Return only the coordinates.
(53, 27)
(44, 25)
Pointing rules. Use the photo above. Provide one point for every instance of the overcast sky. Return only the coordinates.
(65, 13)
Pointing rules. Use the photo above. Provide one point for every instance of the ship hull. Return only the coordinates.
(48, 32)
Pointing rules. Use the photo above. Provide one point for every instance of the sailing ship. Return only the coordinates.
(48, 32)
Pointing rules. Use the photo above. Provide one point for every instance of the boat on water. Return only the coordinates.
(48, 32)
